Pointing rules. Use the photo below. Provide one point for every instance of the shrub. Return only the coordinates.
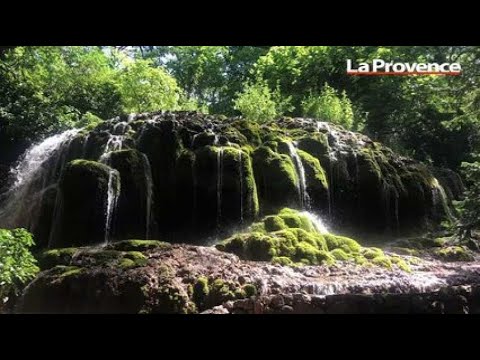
(258, 103)
(329, 106)
(17, 264)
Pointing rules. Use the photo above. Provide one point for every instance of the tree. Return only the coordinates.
(17, 264)
(143, 87)
(258, 103)
(469, 208)
(329, 106)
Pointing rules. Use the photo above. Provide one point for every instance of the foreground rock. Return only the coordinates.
(447, 300)
(155, 277)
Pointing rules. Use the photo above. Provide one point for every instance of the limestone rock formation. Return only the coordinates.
(188, 177)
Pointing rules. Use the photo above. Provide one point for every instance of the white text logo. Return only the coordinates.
(381, 67)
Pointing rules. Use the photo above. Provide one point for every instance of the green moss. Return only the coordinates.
(371, 253)
(405, 251)
(282, 260)
(360, 260)
(402, 265)
(314, 171)
(294, 243)
(83, 188)
(339, 254)
(126, 263)
(220, 291)
(274, 223)
(346, 244)
(454, 253)
(250, 130)
(382, 261)
(325, 258)
(307, 253)
(258, 227)
(138, 245)
(137, 257)
(62, 271)
(201, 291)
(276, 178)
(240, 294)
(292, 221)
(261, 248)
(250, 290)
(295, 219)
(51, 258)
(317, 145)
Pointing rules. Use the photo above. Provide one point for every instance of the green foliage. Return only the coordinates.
(454, 253)
(469, 208)
(201, 291)
(258, 103)
(250, 290)
(48, 89)
(17, 264)
(329, 106)
(143, 87)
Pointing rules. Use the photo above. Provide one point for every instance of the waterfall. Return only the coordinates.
(85, 146)
(302, 186)
(112, 199)
(240, 171)
(317, 222)
(32, 175)
(439, 195)
(114, 143)
(149, 182)
(219, 185)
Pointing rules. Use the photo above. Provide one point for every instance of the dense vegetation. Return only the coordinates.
(434, 119)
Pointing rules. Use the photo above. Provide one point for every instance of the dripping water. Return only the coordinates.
(302, 182)
(149, 182)
(32, 176)
(440, 196)
(317, 222)
(113, 193)
(240, 171)
(219, 185)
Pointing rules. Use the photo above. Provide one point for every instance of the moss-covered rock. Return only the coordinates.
(316, 179)
(162, 145)
(316, 145)
(250, 130)
(51, 258)
(454, 253)
(274, 223)
(297, 241)
(135, 204)
(276, 179)
(137, 245)
(84, 200)
(206, 182)
(204, 139)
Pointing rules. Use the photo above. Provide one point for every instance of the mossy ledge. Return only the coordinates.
(291, 238)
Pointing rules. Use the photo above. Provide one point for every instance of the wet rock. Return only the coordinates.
(277, 301)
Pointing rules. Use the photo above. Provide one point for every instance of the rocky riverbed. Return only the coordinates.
(154, 277)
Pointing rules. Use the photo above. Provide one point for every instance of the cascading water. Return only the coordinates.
(149, 182)
(219, 185)
(317, 222)
(32, 176)
(440, 196)
(240, 171)
(302, 186)
(114, 143)
(112, 199)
